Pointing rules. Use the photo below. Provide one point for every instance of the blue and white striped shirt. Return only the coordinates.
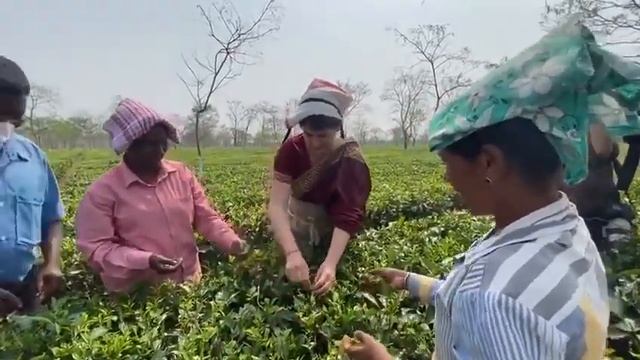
(534, 290)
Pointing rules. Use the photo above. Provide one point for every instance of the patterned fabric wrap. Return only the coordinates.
(131, 120)
(563, 83)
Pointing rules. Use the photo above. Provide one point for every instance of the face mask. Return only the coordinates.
(6, 130)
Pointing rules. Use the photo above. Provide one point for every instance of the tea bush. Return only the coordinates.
(243, 309)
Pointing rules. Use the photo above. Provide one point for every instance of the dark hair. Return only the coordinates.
(524, 146)
(13, 105)
(319, 123)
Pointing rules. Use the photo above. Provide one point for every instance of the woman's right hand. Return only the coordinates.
(297, 270)
(163, 265)
(8, 302)
(394, 277)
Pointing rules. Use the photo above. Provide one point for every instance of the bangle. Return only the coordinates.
(406, 280)
(291, 252)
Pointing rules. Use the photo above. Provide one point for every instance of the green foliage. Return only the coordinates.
(243, 309)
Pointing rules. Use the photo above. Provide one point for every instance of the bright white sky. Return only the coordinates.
(92, 50)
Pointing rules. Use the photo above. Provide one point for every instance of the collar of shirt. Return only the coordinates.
(131, 178)
(14, 149)
(556, 217)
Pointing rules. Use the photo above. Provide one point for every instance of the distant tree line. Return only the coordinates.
(414, 93)
(259, 125)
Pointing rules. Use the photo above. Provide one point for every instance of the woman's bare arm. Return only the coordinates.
(279, 217)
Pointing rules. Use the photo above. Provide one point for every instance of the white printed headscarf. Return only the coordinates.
(321, 98)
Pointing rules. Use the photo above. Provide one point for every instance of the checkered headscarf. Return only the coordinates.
(131, 120)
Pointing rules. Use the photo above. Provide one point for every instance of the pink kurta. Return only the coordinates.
(121, 221)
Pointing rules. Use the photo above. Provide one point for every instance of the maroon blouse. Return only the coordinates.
(343, 190)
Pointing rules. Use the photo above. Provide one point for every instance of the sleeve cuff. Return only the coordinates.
(422, 287)
(138, 260)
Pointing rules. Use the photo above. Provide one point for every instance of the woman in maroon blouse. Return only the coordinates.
(320, 188)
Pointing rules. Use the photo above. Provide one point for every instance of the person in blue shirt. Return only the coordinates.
(30, 206)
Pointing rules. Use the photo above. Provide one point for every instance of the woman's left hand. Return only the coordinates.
(239, 248)
(325, 279)
(50, 282)
(367, 348)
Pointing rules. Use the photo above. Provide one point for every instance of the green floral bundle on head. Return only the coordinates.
(563, 83)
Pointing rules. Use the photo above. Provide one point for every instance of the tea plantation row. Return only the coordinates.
(242, 309)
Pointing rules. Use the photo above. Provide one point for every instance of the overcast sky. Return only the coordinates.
(91, 50)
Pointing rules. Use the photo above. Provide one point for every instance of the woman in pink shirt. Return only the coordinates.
(135, 223)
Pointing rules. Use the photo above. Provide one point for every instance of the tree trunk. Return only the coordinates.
(200, 163)
(405, 139)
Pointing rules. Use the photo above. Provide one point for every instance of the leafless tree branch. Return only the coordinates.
(40, 98)
(618, 20)
(446, 67)
(232, 40)
(406, 93)
(359, 92)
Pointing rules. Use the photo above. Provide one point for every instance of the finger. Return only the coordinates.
(166, 261)
(363, 337)
(40, 283)
(293, 272)
(384, 273)
(53, 284)
(10, 298)
(325, 288)
(325, 279)
(171, 267)
(45, 288)
(290, 276)
(306, 284)
(357, 352)
(166, 268)
(295, 275)
(304, 274)
(320, 281)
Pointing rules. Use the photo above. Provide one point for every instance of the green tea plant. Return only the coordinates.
(243, 309)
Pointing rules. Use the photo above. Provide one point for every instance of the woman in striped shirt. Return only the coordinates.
(535, 286)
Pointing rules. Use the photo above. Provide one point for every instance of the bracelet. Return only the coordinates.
(406, 280)
(291, 252)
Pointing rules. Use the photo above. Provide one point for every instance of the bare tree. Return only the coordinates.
(41, 99)
(376, 135)
(447, 68)
(271, 124)
(361, 128)
(207, 127)
(359, 91)
(290, 107)
(618, 20)
(232, 41)
(288, 110)
(240, 118)
(406, 92)
(418, 118)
